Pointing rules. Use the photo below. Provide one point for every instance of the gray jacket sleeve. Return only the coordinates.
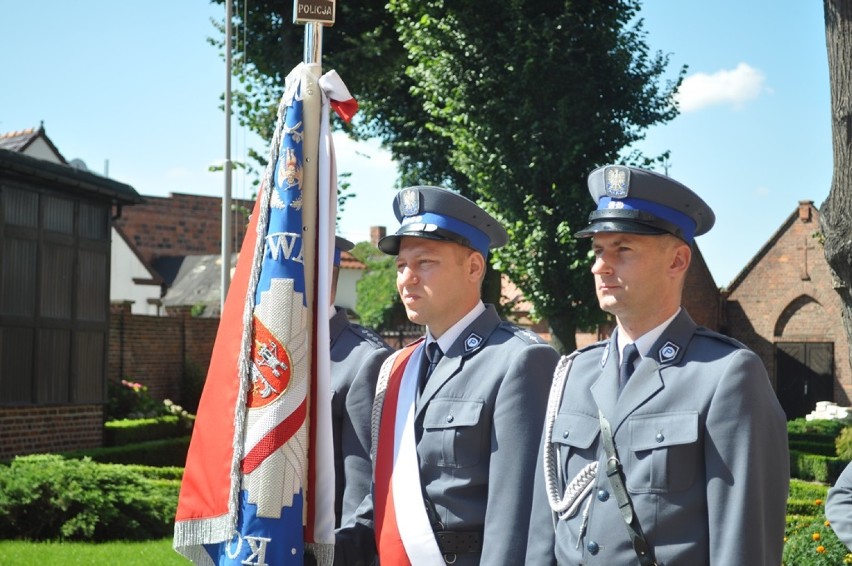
(838, 506)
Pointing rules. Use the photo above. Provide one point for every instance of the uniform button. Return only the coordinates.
(592, 547)
(660, 437)
(450, 418)
(565, 434)
(603, 495)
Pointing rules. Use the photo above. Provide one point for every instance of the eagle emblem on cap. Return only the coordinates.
(617, 181)
(409, 202)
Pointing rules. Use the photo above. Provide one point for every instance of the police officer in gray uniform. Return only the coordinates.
(685, 461)
(357, 353)
(838, 506)
(477, 416)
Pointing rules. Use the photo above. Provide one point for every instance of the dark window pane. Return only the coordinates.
(16, 364)
(56, 281)
(20, 208)
(54, 353)
(58, 214)
(18, 277)
(89, 353)
(92, 297)
(94, 222)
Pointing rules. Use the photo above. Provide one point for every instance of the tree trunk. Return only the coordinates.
(835, 217)
(563, 333)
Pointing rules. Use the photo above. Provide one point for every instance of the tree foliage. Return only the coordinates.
(377, 300)
(510, 102)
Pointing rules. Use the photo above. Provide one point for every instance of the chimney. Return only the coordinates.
(376, 234)
(805, 208)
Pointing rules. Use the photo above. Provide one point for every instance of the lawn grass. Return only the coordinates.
(148, 553)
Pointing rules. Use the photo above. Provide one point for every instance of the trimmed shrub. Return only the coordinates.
(823, 447)
(158, 453)
(819, 428)
(129, 431)
(48, 497)
(815, 467)
(843, 444)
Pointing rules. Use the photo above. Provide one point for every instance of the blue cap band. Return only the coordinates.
(477, 239)
(336, 256)
(679, 219)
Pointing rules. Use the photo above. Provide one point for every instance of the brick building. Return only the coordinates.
(783, 306)
(181, 225)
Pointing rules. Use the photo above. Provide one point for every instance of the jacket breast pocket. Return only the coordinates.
(664, 452)
(573, 436)
(452, 433)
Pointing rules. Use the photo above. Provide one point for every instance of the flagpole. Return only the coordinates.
(313, 43)
(226, 197)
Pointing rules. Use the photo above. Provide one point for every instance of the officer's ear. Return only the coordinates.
(476, 265)
(681, 257)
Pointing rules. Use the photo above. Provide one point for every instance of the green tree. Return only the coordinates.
(377, 300)
(512, 103)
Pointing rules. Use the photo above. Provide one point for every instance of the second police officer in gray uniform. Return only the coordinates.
(357, 354)
(456, 443)
(685, 461)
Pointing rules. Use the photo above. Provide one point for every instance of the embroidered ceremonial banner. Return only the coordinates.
(259, 479)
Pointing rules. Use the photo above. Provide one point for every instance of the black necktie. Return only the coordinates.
(433, 355)
(625, 370)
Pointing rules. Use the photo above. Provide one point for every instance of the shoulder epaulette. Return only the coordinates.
(524, 334)
(369, 335)
(703, 331)
(600, 344)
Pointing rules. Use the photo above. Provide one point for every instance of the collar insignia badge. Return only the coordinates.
(472, 342)
(669, 351)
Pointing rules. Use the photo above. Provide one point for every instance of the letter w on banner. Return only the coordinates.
(258, 487)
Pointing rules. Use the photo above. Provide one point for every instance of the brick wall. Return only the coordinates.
(148, 349)
(180, 225)
(34, 430)
(701, 297)
(153, 350)
(786, 295)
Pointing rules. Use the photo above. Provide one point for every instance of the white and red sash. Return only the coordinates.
(403, 534)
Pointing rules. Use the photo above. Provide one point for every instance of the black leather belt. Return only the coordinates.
(459, 542)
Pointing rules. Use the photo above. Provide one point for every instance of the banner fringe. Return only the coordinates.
(190, 535)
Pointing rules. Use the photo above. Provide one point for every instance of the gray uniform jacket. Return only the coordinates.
(703, 442)
(481, 414)
(838, 506)
(357, 354)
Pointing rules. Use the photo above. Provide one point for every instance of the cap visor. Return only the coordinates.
(390, 244)
(624, 226)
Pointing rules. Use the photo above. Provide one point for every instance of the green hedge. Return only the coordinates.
(131, 431)
(821, 447)
(48, 497)
(817, 428)
(169, 452)
(825, 469)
